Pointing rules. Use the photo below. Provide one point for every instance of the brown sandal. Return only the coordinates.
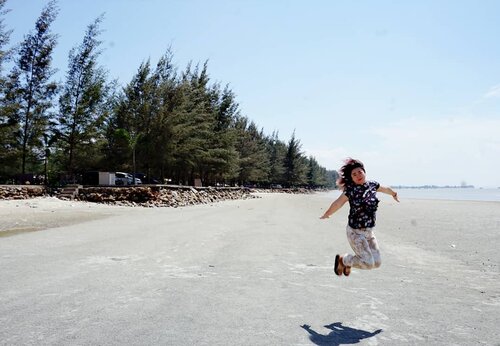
(347, 270)
(339, 266)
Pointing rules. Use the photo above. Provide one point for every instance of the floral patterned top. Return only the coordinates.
(363, 202)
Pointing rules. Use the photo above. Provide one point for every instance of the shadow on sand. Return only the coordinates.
(339, 335)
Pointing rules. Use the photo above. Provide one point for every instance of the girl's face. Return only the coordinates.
(358, 176)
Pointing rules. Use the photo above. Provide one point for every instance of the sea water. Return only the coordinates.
(457, 194)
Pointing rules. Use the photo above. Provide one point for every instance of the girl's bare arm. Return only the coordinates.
(336, 205)
(389, 191)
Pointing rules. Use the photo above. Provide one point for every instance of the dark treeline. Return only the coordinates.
(168, 123)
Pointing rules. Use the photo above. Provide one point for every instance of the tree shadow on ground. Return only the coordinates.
(339, 335)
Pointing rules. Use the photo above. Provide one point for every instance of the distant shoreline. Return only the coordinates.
(449, 193)
(433, 187)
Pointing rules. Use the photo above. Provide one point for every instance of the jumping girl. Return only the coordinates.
(363, 203)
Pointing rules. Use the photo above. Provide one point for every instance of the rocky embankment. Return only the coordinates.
(160, 197)
(146, 196)
(22, 191)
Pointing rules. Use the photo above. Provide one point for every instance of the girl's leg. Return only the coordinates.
(372, 242)
(365, 246)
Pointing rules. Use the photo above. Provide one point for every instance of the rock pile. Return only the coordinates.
(147, 196)
(21, 191)
(160, 197)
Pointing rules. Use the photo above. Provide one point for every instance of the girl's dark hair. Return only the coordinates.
(345, 178)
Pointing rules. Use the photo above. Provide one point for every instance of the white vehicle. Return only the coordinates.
(122, 178)
(137, 180)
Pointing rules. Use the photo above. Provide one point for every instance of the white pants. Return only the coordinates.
(365, 246)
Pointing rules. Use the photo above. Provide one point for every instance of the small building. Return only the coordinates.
(197, 182)
(99, 178)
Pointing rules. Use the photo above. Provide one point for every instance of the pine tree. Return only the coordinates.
(134, 113)
(192, 123)
(221, 162)
(82, 102)
(29, 89)
(277, 151)
(4, 39)
(145, 120)
(158, 143)
(316, 175)
(166, 123)
(295, 165)
(253, 156)
(331, 178)
(7, 123)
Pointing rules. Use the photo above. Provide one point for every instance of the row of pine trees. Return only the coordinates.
(165, 123)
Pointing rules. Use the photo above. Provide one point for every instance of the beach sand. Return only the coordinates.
(35, 214)
(246, 272)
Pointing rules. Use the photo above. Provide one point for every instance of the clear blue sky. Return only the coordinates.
(410, 88)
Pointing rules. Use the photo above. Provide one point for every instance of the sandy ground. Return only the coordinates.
(21, 216)
(250, 272)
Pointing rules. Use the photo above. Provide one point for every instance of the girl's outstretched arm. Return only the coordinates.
(389, 191)
(336, 205)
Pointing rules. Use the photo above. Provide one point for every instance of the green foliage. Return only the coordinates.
(82, 104)
(169, 125)
(277, 150)
(8, 160)
(331, 179)
(5, 53)
(253, 156)
(295, 164)
(318, 176)
(28, 90)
